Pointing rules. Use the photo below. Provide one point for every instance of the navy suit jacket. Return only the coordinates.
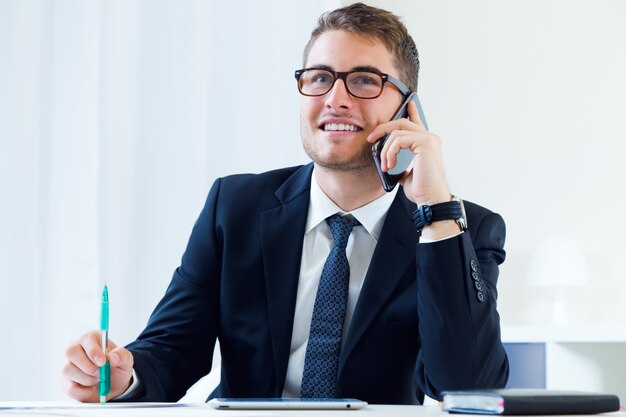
(425, 320)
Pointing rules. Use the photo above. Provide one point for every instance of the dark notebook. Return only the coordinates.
(528, 401)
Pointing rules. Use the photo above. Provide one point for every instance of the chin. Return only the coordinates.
(338, 157)
(362, 162)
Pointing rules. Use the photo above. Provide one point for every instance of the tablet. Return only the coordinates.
(286, 403)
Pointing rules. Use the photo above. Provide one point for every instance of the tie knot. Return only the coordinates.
(341, 227)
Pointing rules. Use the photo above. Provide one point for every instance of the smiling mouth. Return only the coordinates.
(340, 127)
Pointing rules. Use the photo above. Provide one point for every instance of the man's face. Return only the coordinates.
(346, 150)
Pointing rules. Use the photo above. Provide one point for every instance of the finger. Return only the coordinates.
(75, 353)
(72, 373)
(388, 127)
(80, 393)
(415, 141)
(90, 343)
(414, 114)
(397, 141)
(121, 358)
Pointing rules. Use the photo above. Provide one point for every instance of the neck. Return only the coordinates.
(349, 190)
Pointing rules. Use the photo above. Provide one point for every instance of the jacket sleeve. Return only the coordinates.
(176, 347)
(459, 323)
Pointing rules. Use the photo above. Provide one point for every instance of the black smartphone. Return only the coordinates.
(405, 156)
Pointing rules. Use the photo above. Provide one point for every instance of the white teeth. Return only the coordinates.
(340, 127)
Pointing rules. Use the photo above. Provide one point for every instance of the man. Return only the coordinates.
(417, 316)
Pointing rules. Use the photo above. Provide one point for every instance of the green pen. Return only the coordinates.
(104, 386)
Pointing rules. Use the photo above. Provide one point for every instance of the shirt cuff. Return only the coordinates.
(425, 240)
(134, 387)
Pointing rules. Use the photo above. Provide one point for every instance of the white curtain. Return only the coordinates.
(115, 118)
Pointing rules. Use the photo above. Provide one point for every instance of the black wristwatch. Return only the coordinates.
(450, 210)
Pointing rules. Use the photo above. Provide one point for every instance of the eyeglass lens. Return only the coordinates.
(362, 84)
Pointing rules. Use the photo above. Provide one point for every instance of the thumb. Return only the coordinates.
(121, 358)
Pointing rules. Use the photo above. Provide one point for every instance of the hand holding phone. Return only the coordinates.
(391, 178)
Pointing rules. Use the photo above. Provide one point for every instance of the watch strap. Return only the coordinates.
(425, 214)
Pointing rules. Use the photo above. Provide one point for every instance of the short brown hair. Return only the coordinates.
(372, 22)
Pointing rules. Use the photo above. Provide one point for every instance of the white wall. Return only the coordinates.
(530, 100)
(116, 116)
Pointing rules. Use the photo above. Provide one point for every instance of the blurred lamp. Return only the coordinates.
(558, 264)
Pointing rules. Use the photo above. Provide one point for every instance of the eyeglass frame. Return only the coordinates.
(343, 75)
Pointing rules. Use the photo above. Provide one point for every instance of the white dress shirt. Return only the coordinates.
(317, 244)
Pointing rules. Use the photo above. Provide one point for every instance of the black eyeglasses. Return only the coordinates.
(360, 84)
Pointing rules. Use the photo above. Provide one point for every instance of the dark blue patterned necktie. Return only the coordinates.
(321, 362)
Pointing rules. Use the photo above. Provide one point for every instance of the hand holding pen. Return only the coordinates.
(81, 375)
(104, 384)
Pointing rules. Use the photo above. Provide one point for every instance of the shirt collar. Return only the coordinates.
(371, 216)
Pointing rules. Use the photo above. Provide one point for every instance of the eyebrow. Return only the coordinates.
(361, 68)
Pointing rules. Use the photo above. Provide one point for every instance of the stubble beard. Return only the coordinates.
(361, 162)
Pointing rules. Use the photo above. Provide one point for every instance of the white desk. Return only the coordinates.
(201, 410)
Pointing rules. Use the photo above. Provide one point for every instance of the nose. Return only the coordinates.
(338, 96)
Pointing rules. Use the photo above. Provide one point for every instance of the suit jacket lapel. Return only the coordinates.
(282, 230)
(394, 252)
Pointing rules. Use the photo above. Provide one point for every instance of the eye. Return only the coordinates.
(366, 79)
(320, 77)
